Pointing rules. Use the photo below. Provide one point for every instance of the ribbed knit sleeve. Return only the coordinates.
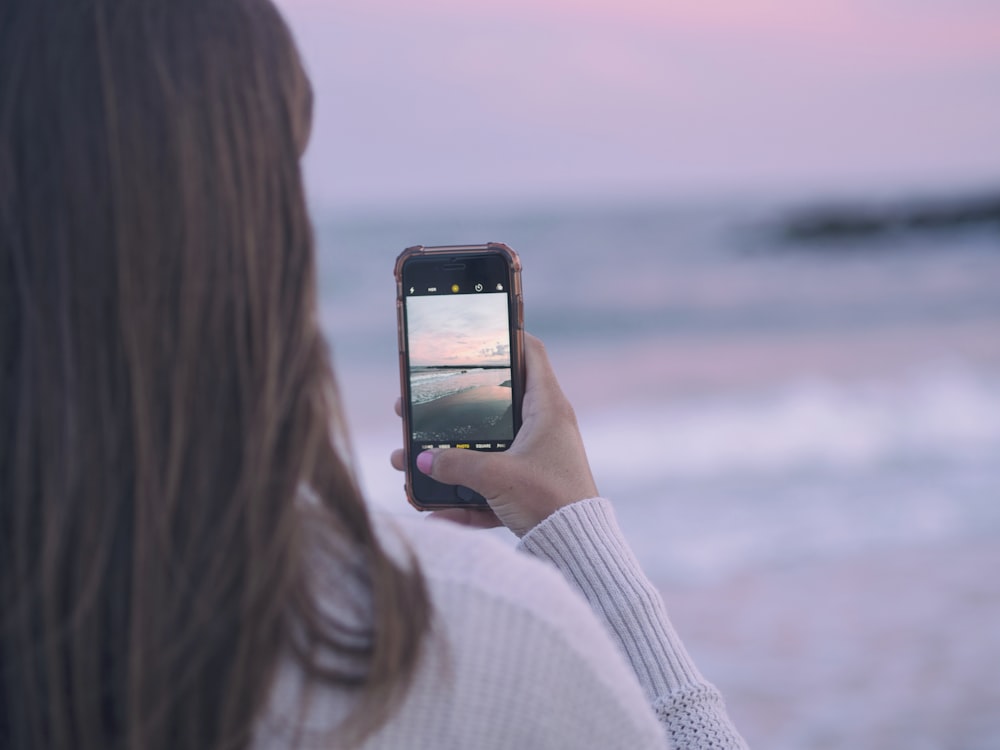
(585, 543)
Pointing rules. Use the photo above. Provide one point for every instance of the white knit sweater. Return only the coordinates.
(517, 658)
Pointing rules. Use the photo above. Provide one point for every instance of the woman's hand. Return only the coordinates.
(544, 469)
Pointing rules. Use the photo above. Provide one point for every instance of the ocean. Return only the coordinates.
(799, 429)
(747, 399)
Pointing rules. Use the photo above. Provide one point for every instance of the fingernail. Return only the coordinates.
(425, 461)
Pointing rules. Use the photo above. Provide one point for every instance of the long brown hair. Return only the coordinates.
(166, 401)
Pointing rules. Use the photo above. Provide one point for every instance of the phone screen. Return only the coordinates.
(461, 360)
(460, 370)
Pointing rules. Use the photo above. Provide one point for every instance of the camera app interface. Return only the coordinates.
(460, 369)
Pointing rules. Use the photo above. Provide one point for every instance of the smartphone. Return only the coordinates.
(461, 358)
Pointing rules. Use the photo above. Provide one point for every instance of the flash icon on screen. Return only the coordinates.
(454, 287)
(499, 287)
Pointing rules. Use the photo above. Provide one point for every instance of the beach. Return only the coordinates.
(478, 413)
(891, 649)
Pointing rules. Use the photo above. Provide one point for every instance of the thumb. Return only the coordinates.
(473, 469)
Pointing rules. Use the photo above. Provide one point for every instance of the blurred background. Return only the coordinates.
(762, 242)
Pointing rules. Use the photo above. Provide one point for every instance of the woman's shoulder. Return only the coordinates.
(513, 641)
(477, 579)
(514, 658)
(483, 562)
(471, 571)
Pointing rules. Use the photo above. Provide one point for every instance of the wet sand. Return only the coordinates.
(898, 649)
(480, 413)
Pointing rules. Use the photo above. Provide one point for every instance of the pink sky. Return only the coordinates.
(463, 329)
(524, 100)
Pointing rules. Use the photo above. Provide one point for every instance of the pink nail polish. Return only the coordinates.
(425, 461)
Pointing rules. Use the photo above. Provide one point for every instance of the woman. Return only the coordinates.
(185, 558)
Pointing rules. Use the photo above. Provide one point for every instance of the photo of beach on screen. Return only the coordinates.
(460, 368)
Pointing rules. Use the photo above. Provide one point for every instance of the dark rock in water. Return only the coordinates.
(835, 224)
(862, 222)
(983, 211)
